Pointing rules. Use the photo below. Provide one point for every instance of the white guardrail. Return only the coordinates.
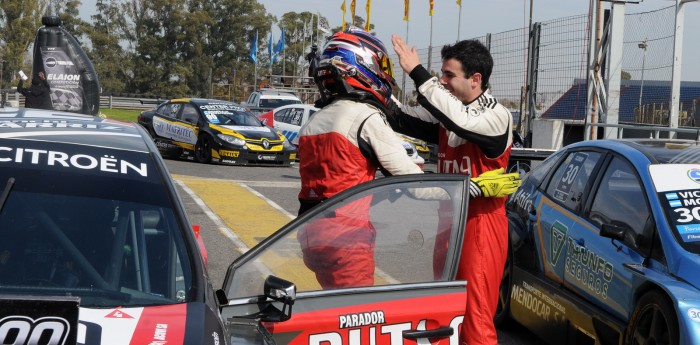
(15, 99)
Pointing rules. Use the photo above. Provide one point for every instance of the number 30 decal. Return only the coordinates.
(22, 330)
(686, 215)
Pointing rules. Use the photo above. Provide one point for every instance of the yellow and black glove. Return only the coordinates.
(494, 184)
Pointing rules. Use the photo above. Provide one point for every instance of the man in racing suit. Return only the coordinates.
(343, 145)
(474, 135)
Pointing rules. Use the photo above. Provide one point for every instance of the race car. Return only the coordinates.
(213, 131)
(96, 247)
(605, 243)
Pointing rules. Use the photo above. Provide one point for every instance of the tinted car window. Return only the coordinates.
(569, 181)
(277, 102)
(189, 114)
(169, 109)
(620, 201)
(280, 115)
(97, 224)
(539, 172)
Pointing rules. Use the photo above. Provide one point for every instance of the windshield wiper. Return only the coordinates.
(6, 192)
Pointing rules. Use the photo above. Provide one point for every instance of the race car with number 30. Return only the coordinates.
(208, 130)
(605, 245)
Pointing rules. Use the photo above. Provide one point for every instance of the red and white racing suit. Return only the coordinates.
(340, 248)
(472, 139)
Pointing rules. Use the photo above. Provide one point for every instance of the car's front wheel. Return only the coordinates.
(202, 150)
(502, 316)
(653, 321)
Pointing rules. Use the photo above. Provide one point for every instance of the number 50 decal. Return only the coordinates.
(22, 330)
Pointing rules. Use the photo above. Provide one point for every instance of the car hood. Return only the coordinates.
(170, 324)
(253, 132)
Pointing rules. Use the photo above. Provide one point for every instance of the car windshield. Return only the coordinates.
(95, 223)
(277, 102)
(231, 117)
(243, 119)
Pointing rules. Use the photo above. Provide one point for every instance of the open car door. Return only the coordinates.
(408, 228)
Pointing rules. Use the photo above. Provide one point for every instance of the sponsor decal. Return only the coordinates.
(694, 314)
(30, 320)
(63, 76)
(226, 153)
(462, 166)
(248, 129)
(694, 174)
(557, 238)
(522, 199)
(590, 269)
(361, 319)
(537, 302)
(118, 314)
(685, 213)
(21, 330)
(266, 158)
(474, 112)
(56, 124)
(108, 164)
(215, 106)
(175, 132)
(375, 332)
(159, 335)
(68, 77)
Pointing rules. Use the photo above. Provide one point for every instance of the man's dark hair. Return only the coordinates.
(474, 57)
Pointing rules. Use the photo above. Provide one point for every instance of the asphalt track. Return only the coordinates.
(237, 207)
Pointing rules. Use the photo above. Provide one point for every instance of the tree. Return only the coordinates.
(234, 23)
(626, 75)
(157, 36)
(69, 12)
(107, 55)
(19, 20)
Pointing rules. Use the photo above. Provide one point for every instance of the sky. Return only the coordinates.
(477, 19)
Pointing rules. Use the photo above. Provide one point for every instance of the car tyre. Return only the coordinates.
(202, 150)
(502, 316)
(653, 321)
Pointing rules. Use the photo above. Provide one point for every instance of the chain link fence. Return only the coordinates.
(556, 53)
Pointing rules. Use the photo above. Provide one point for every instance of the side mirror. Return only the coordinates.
(279, 290)
(613, 231)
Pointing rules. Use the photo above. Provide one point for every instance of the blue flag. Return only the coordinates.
(254, 48)
(270, 50)
(280, 43)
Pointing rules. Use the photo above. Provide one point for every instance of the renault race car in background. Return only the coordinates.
(208, 130)
(96, 247)
(605, 245)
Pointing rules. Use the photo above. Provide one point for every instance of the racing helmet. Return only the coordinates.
(355, 62)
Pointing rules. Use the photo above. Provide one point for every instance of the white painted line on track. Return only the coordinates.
(223, 229)
(270, 202)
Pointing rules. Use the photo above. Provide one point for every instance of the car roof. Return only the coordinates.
(204, 101)
(70, 128)
(277, 93)
(657, 151)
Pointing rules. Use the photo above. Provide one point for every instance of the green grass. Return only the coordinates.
(121, 114)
